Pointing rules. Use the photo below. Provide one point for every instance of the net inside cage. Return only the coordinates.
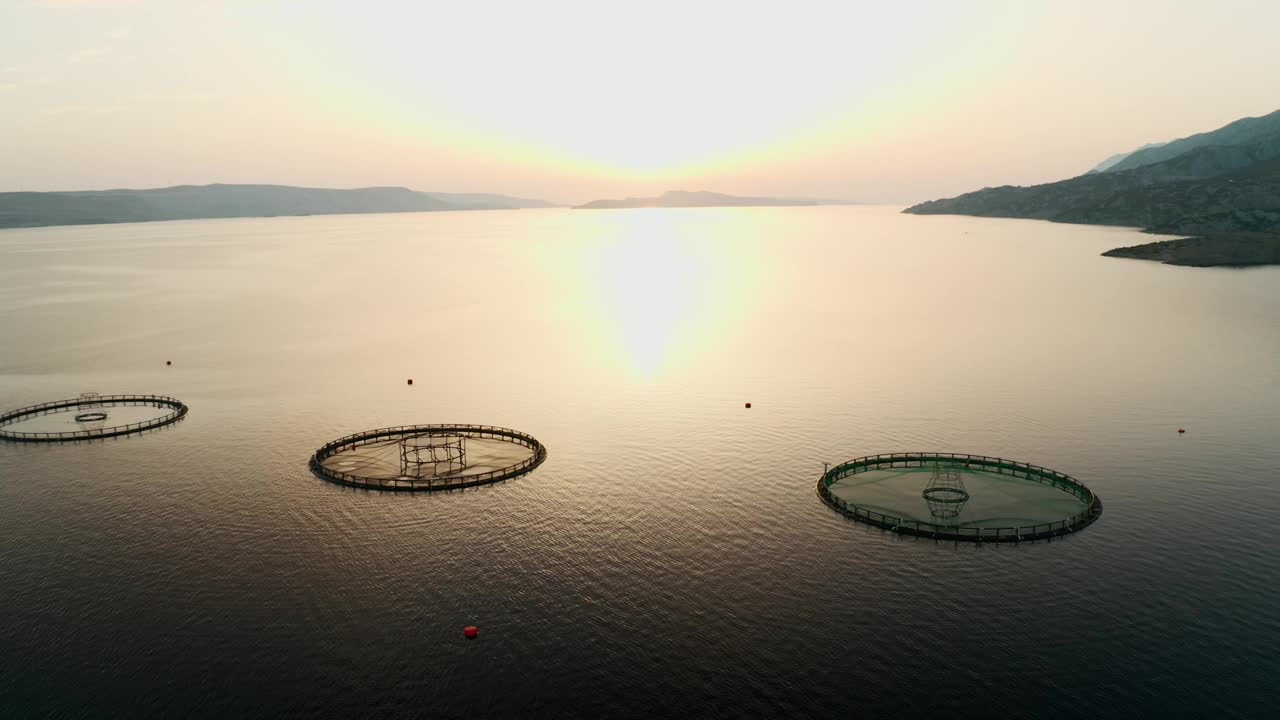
(88, 417)
(430, 454)
(945, 494)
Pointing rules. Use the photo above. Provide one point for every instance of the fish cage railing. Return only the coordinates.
(355, 440)
(1026, 471)
(179, 410)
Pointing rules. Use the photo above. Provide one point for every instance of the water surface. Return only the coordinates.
(671, 557)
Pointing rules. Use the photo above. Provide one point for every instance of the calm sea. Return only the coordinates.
(671, 557)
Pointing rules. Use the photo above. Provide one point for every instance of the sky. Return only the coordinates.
(886, 102)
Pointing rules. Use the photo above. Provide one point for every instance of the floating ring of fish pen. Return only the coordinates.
(951, 499)
(177, 410)
(449, 439)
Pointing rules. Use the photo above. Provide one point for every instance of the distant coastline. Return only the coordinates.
(199, 202)
(701, 198)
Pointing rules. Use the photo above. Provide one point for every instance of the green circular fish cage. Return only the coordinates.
(925, 494)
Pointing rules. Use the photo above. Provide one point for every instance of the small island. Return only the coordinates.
(685, 198)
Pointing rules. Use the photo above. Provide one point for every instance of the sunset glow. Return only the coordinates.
(574, 100)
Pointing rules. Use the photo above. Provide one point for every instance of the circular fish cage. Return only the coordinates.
(953, 496)
(428, 457)
(90, 417)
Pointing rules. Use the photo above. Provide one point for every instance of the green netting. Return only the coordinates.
(995, 500)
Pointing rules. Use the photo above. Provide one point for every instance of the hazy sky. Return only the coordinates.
(879, 101)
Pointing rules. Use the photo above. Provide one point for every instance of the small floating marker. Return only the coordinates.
(168, 362)
(1180, 431)
(410, 381)
(748, 406)
(471, 631)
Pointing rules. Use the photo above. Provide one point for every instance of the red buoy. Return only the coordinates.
(1180, 431)
(410, 381)
(470, 631)
(748, 406)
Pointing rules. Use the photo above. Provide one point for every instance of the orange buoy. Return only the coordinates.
(410, 381)
(748, 406)
(470, 631)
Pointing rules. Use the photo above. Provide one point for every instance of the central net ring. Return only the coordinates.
(945, 494)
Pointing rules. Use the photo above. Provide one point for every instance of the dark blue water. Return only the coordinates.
(671, 557)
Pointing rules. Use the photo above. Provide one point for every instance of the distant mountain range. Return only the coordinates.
(189, 202)
(685, 198)
(1221, 186)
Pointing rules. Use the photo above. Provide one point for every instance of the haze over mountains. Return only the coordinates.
(189, 202)
(701, 198)
(1222, 186)
(1115, 159)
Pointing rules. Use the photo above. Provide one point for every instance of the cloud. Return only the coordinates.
(82, 110)
(183, 96)
(80, 4)
(88, 55)
(96, 54)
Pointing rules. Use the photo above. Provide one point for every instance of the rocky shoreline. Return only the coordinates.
(1240, 250)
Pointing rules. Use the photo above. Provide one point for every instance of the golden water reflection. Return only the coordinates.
(651, 289)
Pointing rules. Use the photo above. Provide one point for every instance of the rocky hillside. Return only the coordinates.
(1219, 191)
(1240, 132)
(1246, 199)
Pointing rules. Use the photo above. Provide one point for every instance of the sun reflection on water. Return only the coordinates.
(662, 286)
